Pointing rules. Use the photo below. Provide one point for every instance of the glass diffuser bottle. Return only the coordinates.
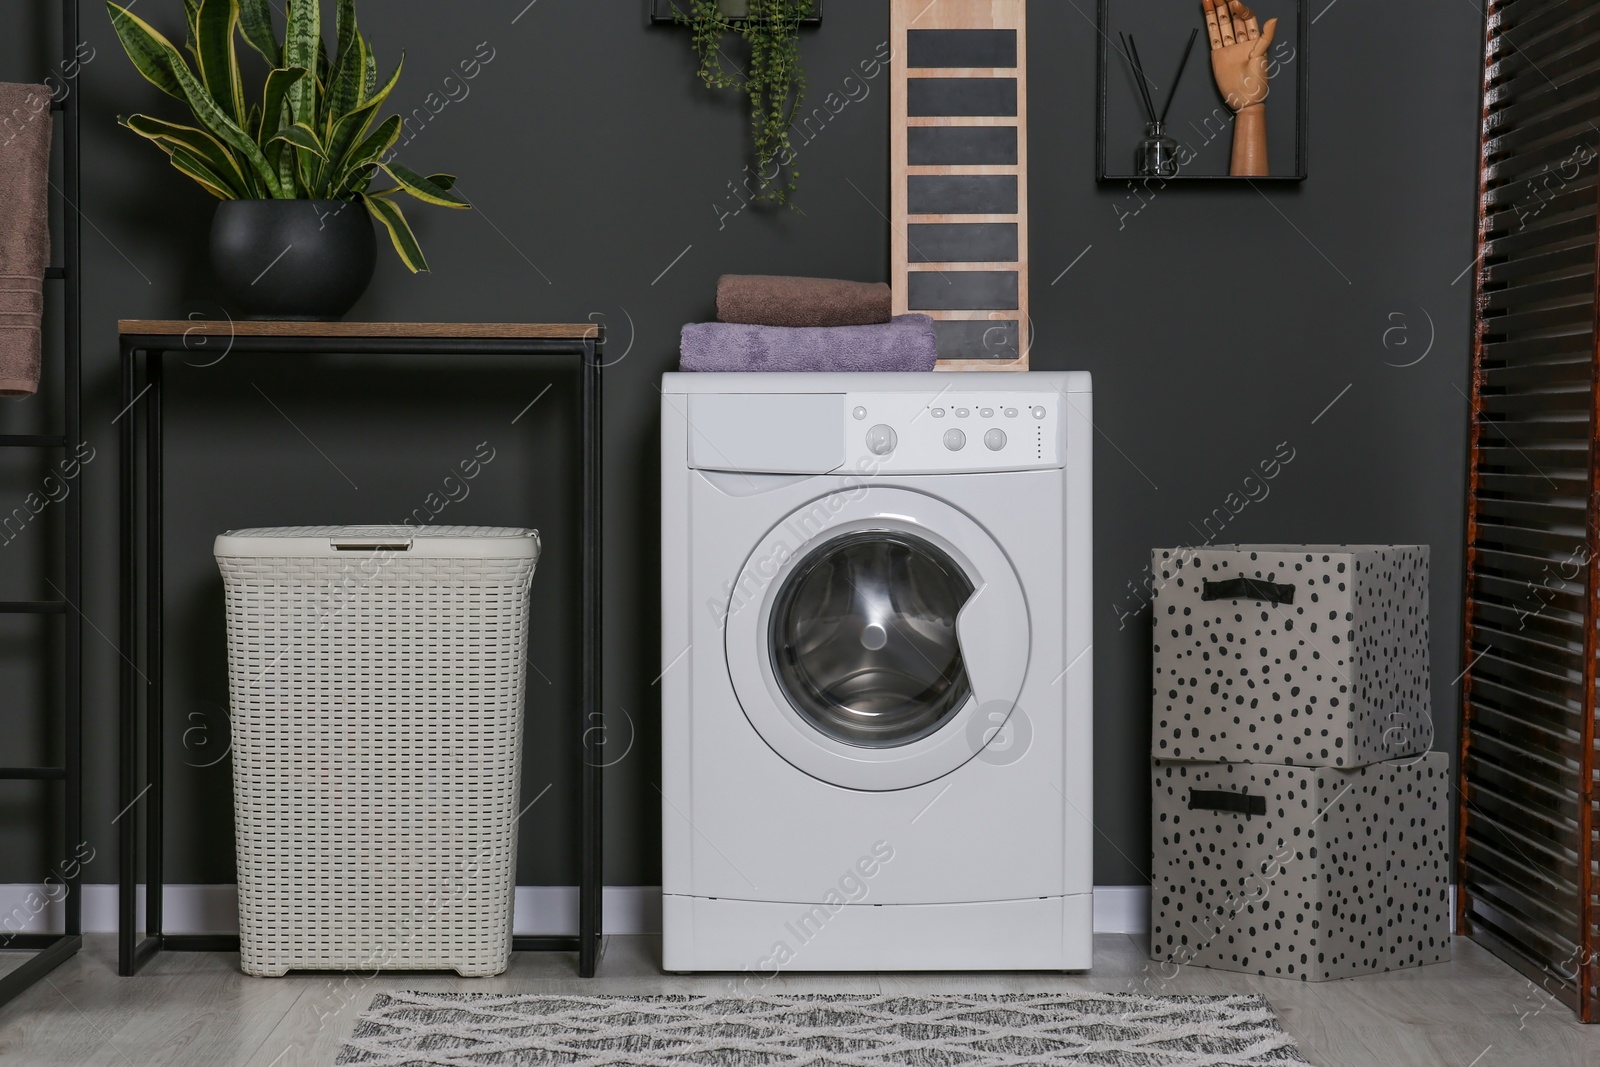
(1158, 153)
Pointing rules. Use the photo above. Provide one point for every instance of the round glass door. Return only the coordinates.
(863, 640)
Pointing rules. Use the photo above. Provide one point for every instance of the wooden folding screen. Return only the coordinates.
(1526, 850)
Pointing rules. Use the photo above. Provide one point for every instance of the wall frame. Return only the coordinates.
(1199, 119)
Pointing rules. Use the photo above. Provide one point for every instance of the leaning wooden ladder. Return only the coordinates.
(1528, 817)
(61, 882)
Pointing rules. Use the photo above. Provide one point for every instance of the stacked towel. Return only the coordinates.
(764, 300)
(905, 344)
(807, 324)
(25, 129)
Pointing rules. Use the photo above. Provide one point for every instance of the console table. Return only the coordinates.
(144, 344)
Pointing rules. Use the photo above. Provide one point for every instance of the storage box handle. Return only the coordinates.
(369, 544)
(1222, 800)
(1247, 589)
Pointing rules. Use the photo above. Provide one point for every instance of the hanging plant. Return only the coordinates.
(773, 79)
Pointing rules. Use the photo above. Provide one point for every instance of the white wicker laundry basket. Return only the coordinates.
(377, 679)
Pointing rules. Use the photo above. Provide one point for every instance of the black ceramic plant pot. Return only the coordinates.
(293, 259)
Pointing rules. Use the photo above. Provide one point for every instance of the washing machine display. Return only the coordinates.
(863, 638)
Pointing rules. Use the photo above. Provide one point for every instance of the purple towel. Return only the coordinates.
(906, 344)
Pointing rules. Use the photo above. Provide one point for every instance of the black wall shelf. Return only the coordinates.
(1161, 28)
(662, 12)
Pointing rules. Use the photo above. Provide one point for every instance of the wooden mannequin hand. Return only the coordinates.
(1239, 62)
(1239, 52)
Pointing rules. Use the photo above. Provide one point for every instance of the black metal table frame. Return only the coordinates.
(146, 789)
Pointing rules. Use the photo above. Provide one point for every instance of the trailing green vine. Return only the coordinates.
(774, 78)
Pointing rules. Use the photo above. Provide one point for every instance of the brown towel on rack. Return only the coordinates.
(25, 128)
(766, 300)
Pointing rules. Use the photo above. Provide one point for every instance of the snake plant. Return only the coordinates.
(313, 135)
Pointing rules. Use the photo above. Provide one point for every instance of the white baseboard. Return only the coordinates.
(1121, 909)
(214, 909)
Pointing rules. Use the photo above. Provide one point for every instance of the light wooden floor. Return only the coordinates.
(197, 1009)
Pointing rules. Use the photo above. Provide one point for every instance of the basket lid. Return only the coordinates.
(438, 542)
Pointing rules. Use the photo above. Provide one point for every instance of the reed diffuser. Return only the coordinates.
(1157, 155)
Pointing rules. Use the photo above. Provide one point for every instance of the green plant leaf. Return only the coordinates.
(284, 166)
(394, 220)
(347, 34)
(379, 95)
(202, 145)
(344, 94)
(161, 55)
(190, 164)
(353, 127)
(274, 99)
(214, 24)
(366, 154)
(305, 170)
(304, 138)
(443, 181)
(302, 47)
(214, 119)
(190, 9)
(255, 18)
(350, 130)
(152, 54)
(423, 189)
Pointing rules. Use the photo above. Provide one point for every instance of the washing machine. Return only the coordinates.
(876, 672)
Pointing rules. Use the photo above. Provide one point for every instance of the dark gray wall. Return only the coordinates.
(1219, 323)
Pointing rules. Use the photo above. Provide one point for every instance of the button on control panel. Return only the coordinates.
(938, 432)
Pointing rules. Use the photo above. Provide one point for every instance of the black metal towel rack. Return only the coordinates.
(49, 950)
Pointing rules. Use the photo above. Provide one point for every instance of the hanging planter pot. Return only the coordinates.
(293, 259)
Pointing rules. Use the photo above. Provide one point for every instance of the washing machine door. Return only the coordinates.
(877, 638)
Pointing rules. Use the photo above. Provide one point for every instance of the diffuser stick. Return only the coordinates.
(1132, 49)
(1172, 92)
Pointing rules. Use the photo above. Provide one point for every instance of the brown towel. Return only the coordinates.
(25, 129)
(765, 300)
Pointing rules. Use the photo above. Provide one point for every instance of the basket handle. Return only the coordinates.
(1247, 589)
(369, 544)
(1245, 804)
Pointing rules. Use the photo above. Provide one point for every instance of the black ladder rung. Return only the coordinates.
(33, 607)
(32, 774)
(32, 440)
(55, 272)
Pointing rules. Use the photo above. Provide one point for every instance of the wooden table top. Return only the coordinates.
(518, 331)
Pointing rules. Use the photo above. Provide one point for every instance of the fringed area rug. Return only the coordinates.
(1116, 1029)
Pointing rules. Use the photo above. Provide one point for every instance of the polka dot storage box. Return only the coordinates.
(1301, 655)
(377, 681)
(1308, 873)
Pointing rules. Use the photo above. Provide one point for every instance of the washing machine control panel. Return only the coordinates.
(954, 432)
